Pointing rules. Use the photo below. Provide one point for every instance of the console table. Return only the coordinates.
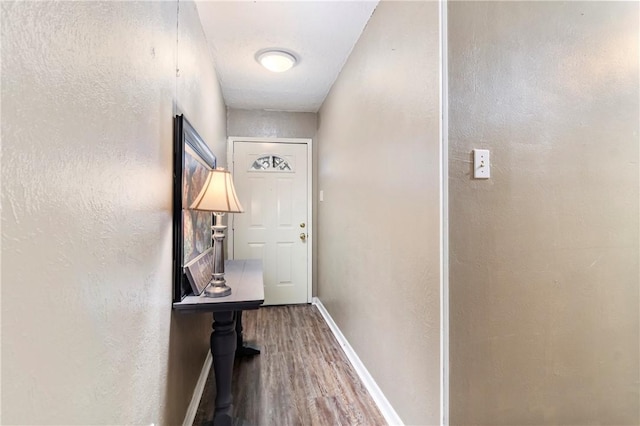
(247, 292)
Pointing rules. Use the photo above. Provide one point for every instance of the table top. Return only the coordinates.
(247, 290)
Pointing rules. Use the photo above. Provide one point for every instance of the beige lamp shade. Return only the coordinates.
(218, 194)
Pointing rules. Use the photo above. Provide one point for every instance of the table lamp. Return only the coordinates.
(218, 196)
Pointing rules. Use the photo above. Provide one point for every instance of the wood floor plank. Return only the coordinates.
(302, 376)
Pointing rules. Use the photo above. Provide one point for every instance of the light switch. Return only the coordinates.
(481, 164)
(321, 195)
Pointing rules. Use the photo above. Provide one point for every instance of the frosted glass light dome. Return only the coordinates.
(277, 60)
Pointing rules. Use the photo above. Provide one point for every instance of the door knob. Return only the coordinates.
(303, 236)
(302, 225)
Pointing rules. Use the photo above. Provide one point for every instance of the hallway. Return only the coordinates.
(508, 300)
(302, 376)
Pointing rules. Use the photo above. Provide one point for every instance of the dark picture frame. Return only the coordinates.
(199, 271)
(191, 229)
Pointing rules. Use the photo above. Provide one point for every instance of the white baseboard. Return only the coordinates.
(192, 409)
(381, 401)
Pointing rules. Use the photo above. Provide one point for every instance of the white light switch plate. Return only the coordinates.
(481, 164)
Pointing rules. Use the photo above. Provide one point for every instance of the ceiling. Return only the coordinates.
(321, 34)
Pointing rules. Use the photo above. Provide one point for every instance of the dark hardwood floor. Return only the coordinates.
(302, 377)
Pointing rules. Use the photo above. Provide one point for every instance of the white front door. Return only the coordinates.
(271, 183)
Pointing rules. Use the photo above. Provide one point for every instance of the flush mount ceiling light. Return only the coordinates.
(276, 60)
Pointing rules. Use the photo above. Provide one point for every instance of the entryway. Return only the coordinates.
(273, 181)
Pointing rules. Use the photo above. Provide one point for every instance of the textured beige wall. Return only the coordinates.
(88, 94)
(544, 270)
(378, 239)
(271, 124)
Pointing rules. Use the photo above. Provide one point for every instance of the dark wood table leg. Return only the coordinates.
(242, 348)
(223, 349)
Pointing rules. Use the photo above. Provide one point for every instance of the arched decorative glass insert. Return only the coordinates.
(271, 163)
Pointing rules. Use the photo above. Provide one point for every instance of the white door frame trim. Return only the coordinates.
(444, 214)
(306, 141)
